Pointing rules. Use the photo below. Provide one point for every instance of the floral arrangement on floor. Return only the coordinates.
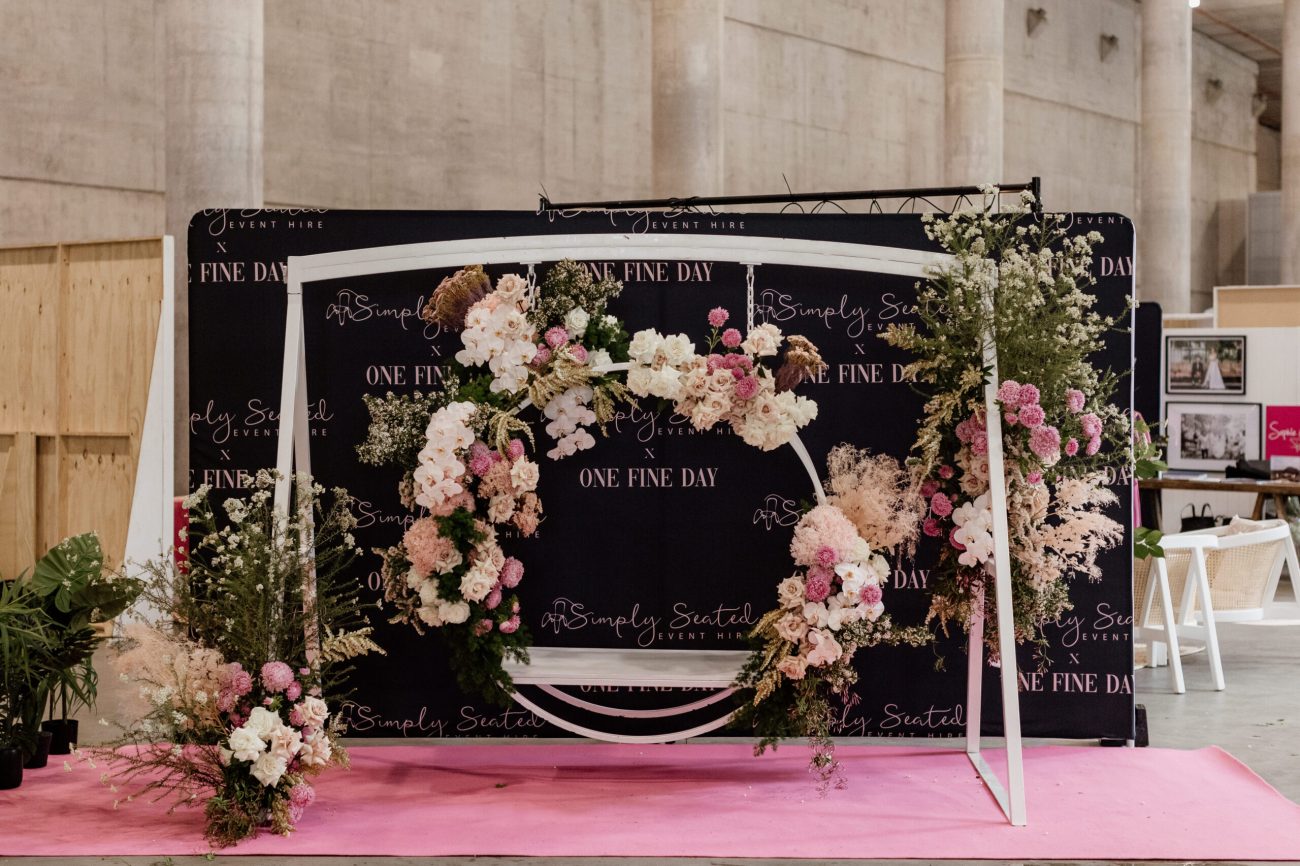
(832, 605)
(463, 451)
(1020, 279)
(237, 676)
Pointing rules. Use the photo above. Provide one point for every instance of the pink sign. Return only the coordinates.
(1282, 431)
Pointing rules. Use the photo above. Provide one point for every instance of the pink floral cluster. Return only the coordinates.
(553, 341)
(841, 583)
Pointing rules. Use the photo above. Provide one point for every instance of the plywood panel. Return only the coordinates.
(1257, 306)
(29, 298)
(96, 479)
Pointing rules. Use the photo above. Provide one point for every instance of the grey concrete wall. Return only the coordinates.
(81, 140)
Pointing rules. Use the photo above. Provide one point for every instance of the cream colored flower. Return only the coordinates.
(268, 770)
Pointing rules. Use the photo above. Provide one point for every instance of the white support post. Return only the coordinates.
(1012, 802)
(291, 383)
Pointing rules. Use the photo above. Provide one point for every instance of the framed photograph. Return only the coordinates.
(1205, 365)
(1212, 436)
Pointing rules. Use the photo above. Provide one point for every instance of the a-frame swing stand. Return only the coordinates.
(556, 666)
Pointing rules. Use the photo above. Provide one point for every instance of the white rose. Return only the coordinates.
(454, 612)
(762, 341)
(678, 349)
(789, 593)
(429, 615)
(313, 711)
(429, 592)
(268, 769)
(599, 358)
(511, 288)
(501, 508)
(475, 586)
(262, 721)
(792, 627)
(644, 346)
(524, 475)
(576, 321)
(245, 744)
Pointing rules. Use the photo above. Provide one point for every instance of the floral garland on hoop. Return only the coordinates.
(546, 349)
(1057, 417)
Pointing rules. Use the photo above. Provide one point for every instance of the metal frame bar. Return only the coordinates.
(294, 442)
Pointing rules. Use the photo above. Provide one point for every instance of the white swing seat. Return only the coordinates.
(658, 668)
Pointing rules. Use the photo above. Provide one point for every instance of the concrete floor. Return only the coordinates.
(1257, 719)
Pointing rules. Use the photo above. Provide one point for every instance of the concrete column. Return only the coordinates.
(214, 141)
(973, 49)
(1164, 231)
(1291, 143)
(686, 48)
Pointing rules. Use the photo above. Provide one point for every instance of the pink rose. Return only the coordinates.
(1029, 395)
(940, 505)
(731, 338)
(718, 317)
(556, 337)
(816, 587)
(931, 527)
(1071, 447)
(1074, 400)
(1032, 415)
(871, 594)
(510, 626)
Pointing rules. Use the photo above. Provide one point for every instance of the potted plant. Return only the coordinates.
(77, 593)
(24, 670)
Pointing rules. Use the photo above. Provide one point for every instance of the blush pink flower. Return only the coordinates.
(294, 691)
(510, 626)
(579, 353)
(1029, 395)
(276, 676)
(493, 599)
(817, 587)
(979, 444)
(1094, 445)
(718, 317)
(1091, 425)
(480, 465)
(302, 795)
(516, 448)
(871, 594)
(826, 556)
(1011, 418)
(1074, 400)
(512, 571)
(941, 505)
(746, 386)
(952, 539)
(1071, 447)
(556, 337)
(1034, 477)
(295, 717)
(542, 357)
(931, 527)
(1009, 393)
(1045, 442)
(482, 627)
(429, 552)
(731, 338)
(1032, 415)
(945, 472)
(236, 679)
(929, 488)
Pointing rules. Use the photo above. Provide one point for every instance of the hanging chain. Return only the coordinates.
(749, 298)
(532, 284)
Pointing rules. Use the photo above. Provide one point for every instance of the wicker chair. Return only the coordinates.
(1228, 573)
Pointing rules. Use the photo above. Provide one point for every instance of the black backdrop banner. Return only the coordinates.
(658, 537)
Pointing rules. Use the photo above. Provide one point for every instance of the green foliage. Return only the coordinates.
(569, 286)
(25, 662)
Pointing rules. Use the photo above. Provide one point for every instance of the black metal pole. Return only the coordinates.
(545, 204)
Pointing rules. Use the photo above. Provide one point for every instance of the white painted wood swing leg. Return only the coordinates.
(1171, 631)
(1012, 798)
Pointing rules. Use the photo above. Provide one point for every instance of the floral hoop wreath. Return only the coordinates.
(554, 349)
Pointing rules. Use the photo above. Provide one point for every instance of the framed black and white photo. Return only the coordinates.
(1212, 436)
(1205, 365)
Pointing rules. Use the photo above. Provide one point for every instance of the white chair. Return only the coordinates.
(1227, 573)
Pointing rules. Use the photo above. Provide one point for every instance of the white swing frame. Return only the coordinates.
(294, 447)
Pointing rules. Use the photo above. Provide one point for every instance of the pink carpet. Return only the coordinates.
(715, 800)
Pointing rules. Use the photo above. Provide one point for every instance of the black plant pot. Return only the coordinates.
(11, 767)
(41, 756)
(65, 735)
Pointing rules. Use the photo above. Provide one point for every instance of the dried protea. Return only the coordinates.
(454, 296)
(802, 361)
